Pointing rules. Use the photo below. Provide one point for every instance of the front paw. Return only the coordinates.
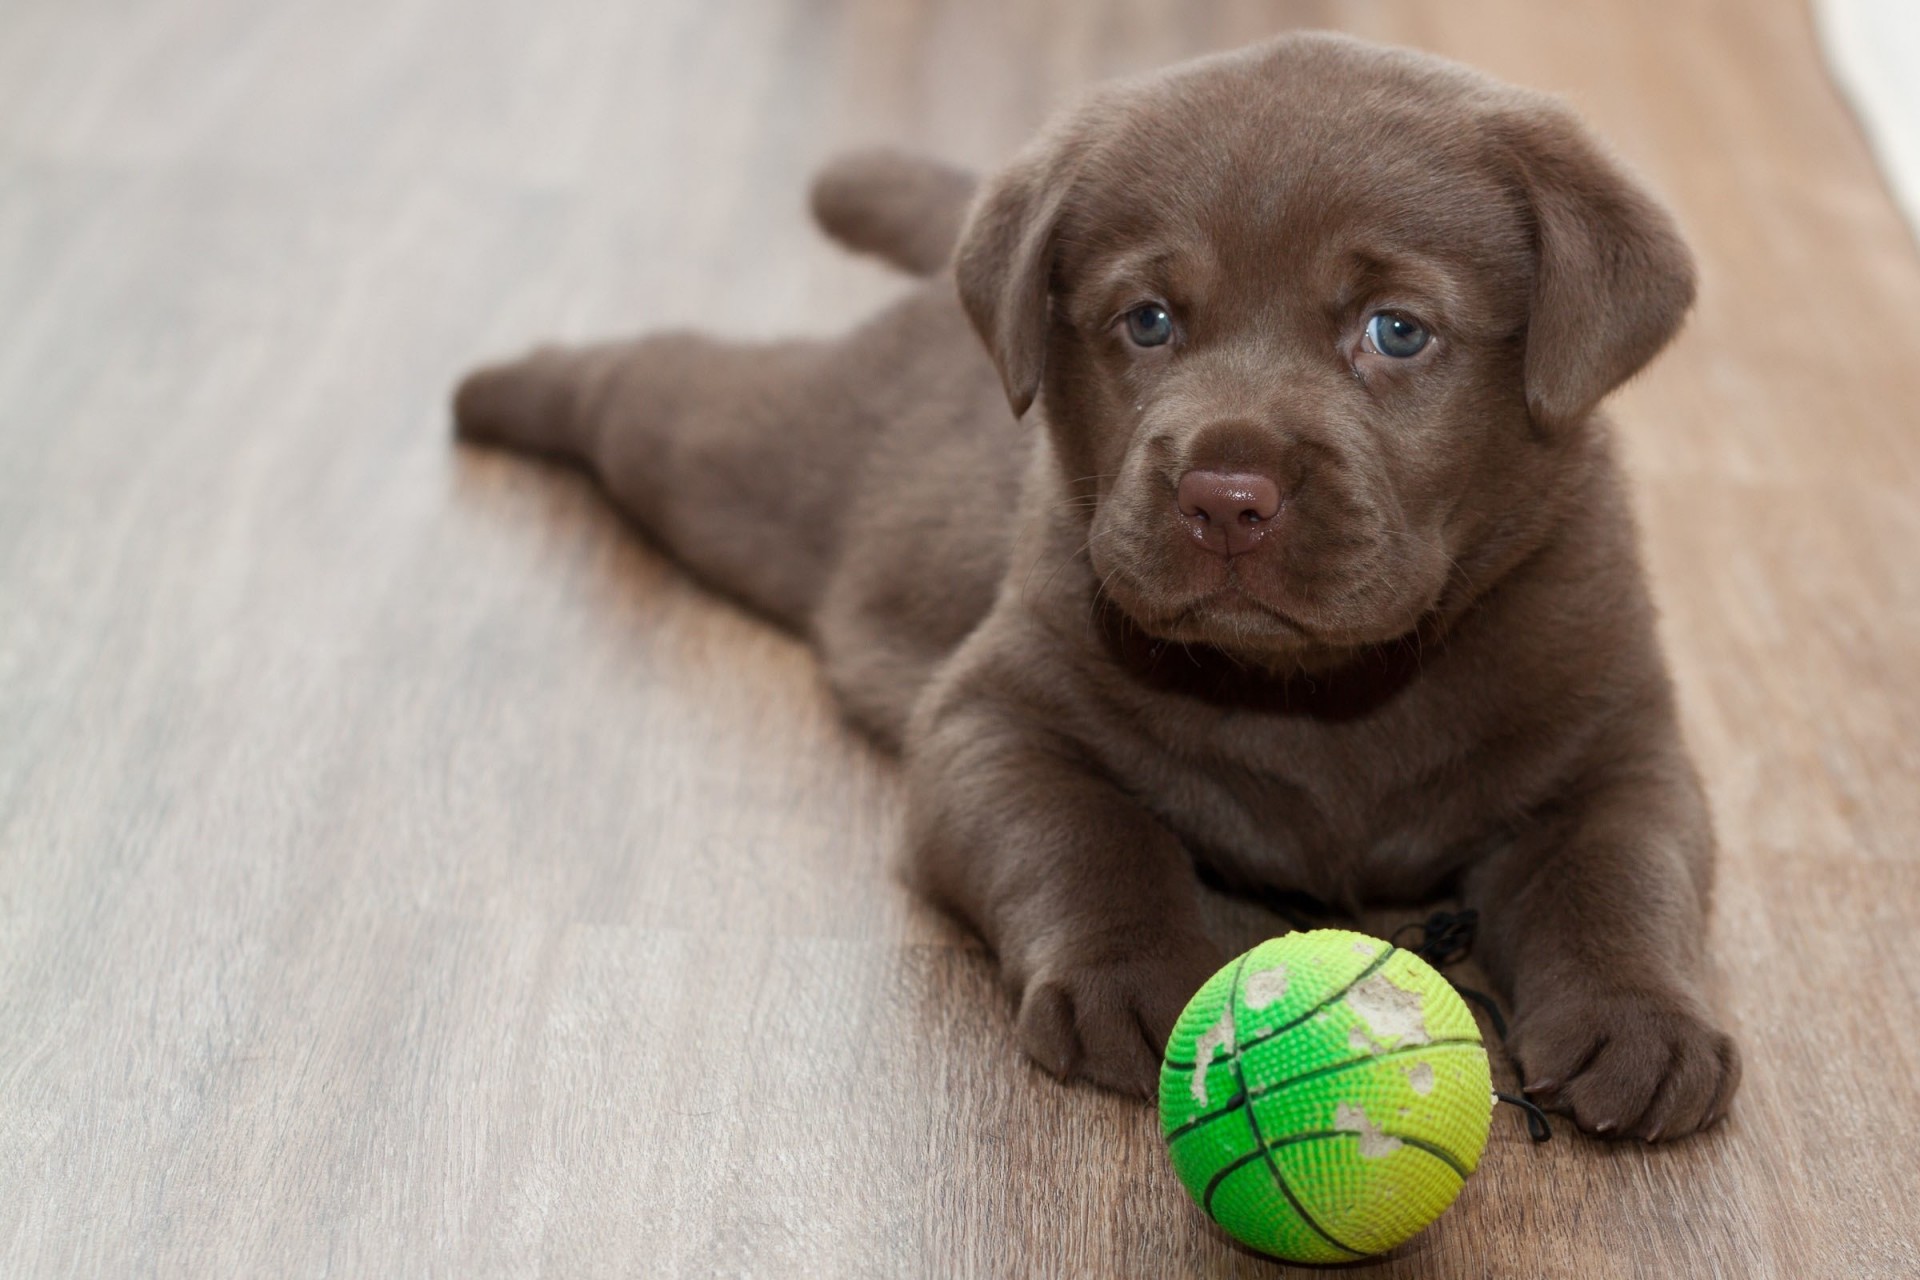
(1627, 1064)
(1107, 1019)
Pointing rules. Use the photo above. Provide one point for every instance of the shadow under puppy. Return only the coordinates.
(1302, 554)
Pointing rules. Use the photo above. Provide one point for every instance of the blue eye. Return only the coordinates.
(1393, 334)
(1149, 325)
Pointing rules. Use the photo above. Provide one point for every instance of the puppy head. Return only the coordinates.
(1317, 326)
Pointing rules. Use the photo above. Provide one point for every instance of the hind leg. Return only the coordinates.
(732, 456)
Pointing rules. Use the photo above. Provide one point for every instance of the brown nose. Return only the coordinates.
(1228, 511)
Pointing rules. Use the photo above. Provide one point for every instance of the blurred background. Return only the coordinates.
(404, 870)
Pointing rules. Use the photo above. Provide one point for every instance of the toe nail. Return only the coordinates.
(1540, 1086)
(1605, 1126)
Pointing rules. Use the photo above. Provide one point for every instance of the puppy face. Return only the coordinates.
(1316, 326)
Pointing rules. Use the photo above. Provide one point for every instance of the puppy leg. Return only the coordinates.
(1595, 921)
(734, 457)
(1090, 904)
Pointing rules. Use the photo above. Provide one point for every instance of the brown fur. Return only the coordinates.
(1436, 672)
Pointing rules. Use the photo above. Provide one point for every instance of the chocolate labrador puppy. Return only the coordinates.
(1301, 559)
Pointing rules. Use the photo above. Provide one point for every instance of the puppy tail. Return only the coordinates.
(905, 209)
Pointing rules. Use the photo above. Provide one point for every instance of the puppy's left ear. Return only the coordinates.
(1612, 277)
(1004, 264)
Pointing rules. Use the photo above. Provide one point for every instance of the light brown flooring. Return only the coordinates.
(403, 871)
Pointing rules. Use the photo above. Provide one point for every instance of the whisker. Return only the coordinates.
(1099, 592)
(1026, 586)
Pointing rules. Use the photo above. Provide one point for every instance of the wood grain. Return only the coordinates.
(405, 871)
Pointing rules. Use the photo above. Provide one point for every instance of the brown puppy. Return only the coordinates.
(1301, 554)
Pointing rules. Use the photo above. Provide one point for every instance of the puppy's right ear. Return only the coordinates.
(1004, 265)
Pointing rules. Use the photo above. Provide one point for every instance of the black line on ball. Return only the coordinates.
(1253, 1121)
(1289, 1025)
(1213, 1184)
(1439, 1153)
(1267, 1090)
(1418, 1144)
(1231, 1105)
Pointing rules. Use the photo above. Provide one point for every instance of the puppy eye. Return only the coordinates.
(1149, 325)
(1393, 334)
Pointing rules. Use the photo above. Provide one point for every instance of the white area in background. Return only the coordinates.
(1873, 47)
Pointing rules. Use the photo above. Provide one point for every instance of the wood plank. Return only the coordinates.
(404, 869)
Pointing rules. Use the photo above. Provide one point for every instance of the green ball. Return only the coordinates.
(1325, 1096)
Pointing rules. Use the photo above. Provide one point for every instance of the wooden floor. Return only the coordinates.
(404, 872)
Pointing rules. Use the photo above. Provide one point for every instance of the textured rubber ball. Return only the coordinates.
(1325, 1096)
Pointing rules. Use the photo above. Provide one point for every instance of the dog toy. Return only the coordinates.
(1325, 1096)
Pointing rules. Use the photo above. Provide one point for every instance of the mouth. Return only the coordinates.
(1234, 604)
(1227, 614)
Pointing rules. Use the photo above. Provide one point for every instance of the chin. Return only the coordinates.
(1284, 633)
(1225, 618)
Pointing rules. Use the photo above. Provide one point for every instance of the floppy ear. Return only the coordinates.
(1612, 278)
(1004, 265)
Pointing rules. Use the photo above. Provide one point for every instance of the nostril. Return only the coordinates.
(1222, 497)
(1228, 511)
